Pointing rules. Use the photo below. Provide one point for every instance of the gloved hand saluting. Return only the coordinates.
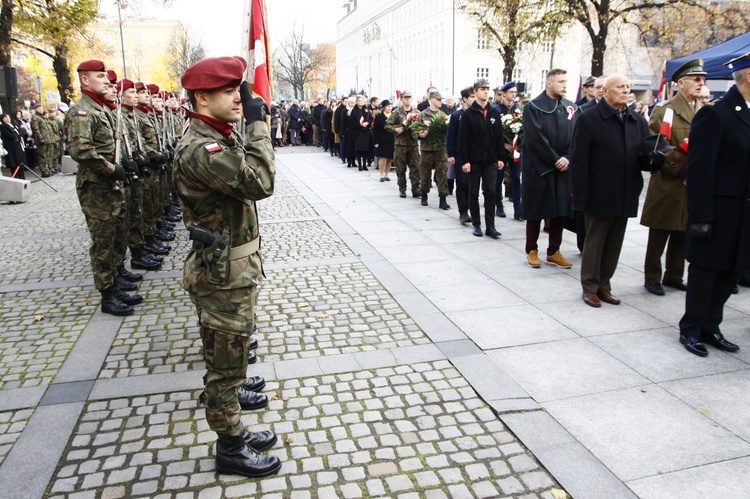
(254, 109)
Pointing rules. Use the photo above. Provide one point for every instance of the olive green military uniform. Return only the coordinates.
(218, 182)
(43, 137)
(55, 132)
(151, 213)
(89, 129)
(406, 151)
(433, 155)
(665, 208)
(134, 193)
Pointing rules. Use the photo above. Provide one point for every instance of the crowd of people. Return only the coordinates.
(33, 139)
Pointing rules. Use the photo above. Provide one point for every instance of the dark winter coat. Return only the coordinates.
(360, 123)
(605, 162)
(382, 137)
(295, 117)
(480, 137)
(12, 143)
(317, 114)
(718, 184)
(547, 133)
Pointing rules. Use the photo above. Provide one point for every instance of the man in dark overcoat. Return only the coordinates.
(717, 243)
(607, 180)
(548, 128)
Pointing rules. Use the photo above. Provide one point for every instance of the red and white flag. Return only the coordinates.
(260, 63)
(666, 124)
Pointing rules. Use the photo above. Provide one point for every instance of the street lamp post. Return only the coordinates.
(122, 5)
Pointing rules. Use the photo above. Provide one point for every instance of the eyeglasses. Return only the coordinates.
(696, 79)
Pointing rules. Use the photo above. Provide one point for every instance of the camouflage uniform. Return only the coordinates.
(44, 140)
(151, 212)
(89, 129)
(433, 155)
(218, 183)
(134, 197)
(55, 128)
(407, 151)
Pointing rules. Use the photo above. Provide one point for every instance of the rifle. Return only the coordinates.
(122, 135)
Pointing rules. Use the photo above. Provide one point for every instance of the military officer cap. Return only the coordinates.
(436, 95)
(125, 84)
(481, 83)
(405, 93)
(508, 86)
(214, 73)
(111, 76)
(738, 63)
(691, 68)
(589, 81)
(92, 65)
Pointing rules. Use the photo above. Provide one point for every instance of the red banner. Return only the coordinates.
(261, 52)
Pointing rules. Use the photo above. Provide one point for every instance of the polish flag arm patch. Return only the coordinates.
(82, 113)
(213, 147)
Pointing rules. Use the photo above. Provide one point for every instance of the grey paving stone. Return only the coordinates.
(62, 393)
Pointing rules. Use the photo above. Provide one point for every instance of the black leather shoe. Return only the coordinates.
(654, 288)
(126, 298)
(402, 194)
(251, 400)
(251, 357)
(694, 346)
(164, 236)
(171, 218)
(124, 284)
(718, 341)
(675, 284)
(500, 212)
(233, 456)
(416, 194)
(261, 440)
(254, 384)
(111, 305)
(477, 231)
(253, 341)
(492, 232)
(424, 199)
(155, 258)
(144, 262)
(156, 250)
(130, 276)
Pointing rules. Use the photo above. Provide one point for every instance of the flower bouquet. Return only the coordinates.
(513, 128)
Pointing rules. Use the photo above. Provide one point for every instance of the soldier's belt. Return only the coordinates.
(245, 250)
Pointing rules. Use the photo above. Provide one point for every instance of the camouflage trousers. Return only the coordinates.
(437, 161)
(226, 322)
(150, 191)
(45, 156)
(407, 156)
(131, 234)
(105, 210)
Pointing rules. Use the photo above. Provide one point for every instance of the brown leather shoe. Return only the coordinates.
(591, 300)
(607, 297)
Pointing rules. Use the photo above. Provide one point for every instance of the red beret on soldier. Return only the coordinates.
(125, 84)
(111, 76)
(92, 65)
(139, 85)
(152, 88)
(213, 73)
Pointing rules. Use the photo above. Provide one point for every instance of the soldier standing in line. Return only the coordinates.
(89, 127)
(55, 128)
(407, 150)
(433, 152)
(218, 182)
(43, 138)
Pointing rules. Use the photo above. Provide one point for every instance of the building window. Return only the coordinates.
(544, 78)
(482, 41)
(483, 72)
(548, 46)
(516, 74)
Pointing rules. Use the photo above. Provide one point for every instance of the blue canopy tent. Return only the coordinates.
(714, 58)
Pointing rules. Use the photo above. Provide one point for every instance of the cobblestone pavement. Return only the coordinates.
(363, 403)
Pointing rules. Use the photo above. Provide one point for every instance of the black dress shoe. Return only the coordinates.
(654, 288)
(254, 384)
(694, 346)
(251, 357)
(233, 456)
(124, 284)
(477, 231)
(718, 341)
(261, 440)
(492, 232)
(251, 400)
(675, 284)
(253, 341)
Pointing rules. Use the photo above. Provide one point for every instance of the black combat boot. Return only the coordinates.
(142, 260)
(261, 440)
(130, 276)
(251, 357)
(424, 199)
(165, 226)
(172, 218)
(254, 384)
(251, 400)
(124, 284)
(233, 456)
(111, 305)
(444, 204)
(126, 298)
(162, 235)
(155, 247)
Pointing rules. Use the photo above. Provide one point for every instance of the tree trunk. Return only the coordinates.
(62, 73)
(599, 44)
(6, 27)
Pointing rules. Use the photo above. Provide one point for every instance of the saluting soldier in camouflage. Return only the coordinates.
(433, 152)
(90, 131)
(407, 151)
(218, 181)
(44, 140)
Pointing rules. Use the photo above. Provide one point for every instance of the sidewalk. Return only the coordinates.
(375, 392)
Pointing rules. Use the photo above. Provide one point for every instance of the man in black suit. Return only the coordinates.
(717, 241)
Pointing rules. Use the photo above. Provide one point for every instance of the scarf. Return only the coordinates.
(225, 129)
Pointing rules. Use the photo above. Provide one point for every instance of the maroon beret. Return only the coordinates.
(139, 85)
(124, 84)
(111, 76)
(152, 88)
(91, 65)
(213, 73)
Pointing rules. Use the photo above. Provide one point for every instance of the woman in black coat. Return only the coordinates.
(360, 120)
(383, 141)
(12, 144)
